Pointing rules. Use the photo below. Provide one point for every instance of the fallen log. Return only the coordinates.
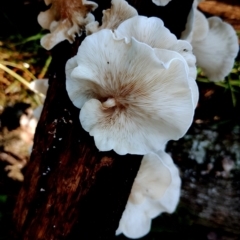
(71, 189)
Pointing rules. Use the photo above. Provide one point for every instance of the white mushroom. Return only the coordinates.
(187, 33)
(65, 20)
(217, 51)
(39, 86)
(200, 28)
(215, 43)
(37, 112)
(119, 12)
(152, 32)
(48, 2)
(161, 2)
(156, 189)
(133, 98)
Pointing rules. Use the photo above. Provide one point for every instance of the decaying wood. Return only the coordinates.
(71, 190)
(210, 191)
(69, 184)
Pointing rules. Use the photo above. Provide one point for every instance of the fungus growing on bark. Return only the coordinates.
(194, 19)
(135, 102)
(135, 86)
(200, 27)
(120, 11)
(39, 86)
(215, 43)
(65, 20)
(156, 189)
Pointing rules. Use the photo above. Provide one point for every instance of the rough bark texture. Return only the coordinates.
(71, 190)
(214, 203)
(208, 158)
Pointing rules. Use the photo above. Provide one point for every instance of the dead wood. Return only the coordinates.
(71, 190)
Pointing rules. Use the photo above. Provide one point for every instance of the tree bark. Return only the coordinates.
(214, 202)
(71, 189)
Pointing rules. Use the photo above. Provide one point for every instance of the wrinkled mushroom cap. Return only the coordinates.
(156, 189)
(217, 51)
(135, 102)
(40, 86)
(65, 20)
(120, 11)
(161, 2)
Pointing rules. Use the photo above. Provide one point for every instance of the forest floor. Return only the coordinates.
(208, 156)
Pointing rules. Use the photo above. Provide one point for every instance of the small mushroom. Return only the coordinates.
(152, 32)
(201, 27)
(215, 43)
(155, 190)
(217, 51)
(161, 2)
(39, 86)
(65, 20)
(135, 102)
(119, 12)
(196, 22)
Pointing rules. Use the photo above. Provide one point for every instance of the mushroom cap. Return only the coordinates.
(196, 24)
(37, 112)
(217, 51)
(48, 2)
(152, 180)
(152, 32)
(135, 102)
(147, 30)
(46, 18)
(65, 20)
(201, 26)
(39, 85)
(120, 11)
(156, 189)
(161, 2)
(187, 33)
(215, 43)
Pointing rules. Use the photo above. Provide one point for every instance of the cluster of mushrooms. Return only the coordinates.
(135, 84)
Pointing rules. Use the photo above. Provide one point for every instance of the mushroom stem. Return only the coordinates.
(109, 103)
